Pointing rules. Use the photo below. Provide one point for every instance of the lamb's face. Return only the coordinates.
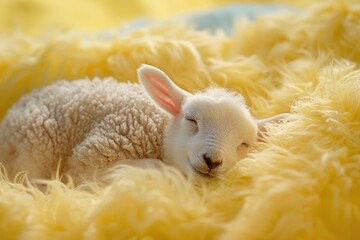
(209, 131)
(210, 134)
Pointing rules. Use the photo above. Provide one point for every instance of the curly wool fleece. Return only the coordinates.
(302, 183)
(83, 125)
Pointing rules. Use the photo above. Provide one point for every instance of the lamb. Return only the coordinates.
(84, 126)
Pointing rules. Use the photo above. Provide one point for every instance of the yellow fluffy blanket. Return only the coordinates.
(302, 183)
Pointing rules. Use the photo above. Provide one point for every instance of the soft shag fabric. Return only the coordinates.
(302, 183)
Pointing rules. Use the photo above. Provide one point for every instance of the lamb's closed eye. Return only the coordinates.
(243, 148)
(192, 124)
(244, 144)
(191, 119)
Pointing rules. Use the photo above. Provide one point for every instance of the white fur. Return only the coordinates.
(223, 125)
(84, 127)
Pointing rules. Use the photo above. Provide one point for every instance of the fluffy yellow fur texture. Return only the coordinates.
(302, 183)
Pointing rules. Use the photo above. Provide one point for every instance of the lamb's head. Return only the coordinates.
(213, 130)
(209, 132)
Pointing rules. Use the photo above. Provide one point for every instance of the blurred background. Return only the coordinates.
(35, 17)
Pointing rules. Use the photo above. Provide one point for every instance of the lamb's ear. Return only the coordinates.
(277, 118)
(161, 89)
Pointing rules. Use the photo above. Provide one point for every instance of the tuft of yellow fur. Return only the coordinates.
(302, 183)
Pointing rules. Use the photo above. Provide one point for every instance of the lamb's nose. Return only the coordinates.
(211, 161)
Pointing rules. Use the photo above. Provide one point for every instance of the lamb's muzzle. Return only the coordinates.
(212, 161)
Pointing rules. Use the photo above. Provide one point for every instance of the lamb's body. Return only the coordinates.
(83, 125)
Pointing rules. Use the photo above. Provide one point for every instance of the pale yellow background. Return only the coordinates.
(38, 16)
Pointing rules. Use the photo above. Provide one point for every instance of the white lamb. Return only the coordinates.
(85, 126)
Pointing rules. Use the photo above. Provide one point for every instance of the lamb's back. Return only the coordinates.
(44, 127)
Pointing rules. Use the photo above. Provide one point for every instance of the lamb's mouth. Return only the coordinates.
(202, 173)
